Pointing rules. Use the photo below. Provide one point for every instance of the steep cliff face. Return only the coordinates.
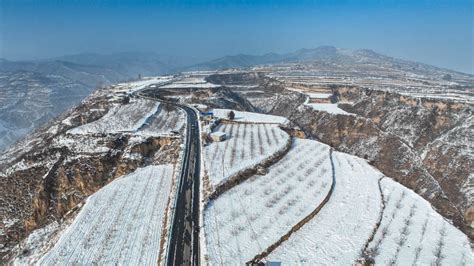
(49, 173)
(419, 121)
(422, 143)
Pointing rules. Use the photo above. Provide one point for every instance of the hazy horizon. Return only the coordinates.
(436, 32)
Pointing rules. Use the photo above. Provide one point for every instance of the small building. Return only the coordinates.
(218, 136)
(207, 116)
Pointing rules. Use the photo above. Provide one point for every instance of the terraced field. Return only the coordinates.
(119, 224)
(241, 116)
(338, 233)
(121, 118)
(413, 233)
(410, 232)
(166, 120)
(250, 217)
(246, 145)
(292, 215)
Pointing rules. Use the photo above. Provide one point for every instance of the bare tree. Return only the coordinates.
(231, 115)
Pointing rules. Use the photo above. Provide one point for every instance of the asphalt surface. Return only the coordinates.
(184, 239)
(183, 242)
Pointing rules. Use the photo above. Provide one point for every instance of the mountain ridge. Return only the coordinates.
(168, 64)
(305, 55)
(43, 81)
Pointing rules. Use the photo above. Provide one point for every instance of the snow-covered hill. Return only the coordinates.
(95, 185)
(293, 215)
(244, 221)
(122, 223)
(48, 175)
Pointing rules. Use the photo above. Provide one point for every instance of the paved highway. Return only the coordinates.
(183, 241)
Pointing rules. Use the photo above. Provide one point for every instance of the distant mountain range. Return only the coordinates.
(243, 60)
(94, 69)
(32, 92)
(322, 54)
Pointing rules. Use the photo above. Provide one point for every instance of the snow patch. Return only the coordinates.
(241, 116)
(328, 107)
(122, 118)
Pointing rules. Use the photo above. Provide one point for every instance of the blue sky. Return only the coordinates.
(438, 32)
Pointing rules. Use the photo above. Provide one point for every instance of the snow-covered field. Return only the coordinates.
(189, 85)
(165, 121)
(119, 224)
(248, 218)
(317, 95)
(131, 87)
(246, 145)
(251, 117)
(121, 118)
(81, 144)
(328, 107)
(325, 107)
(412, 233)
(190, 82)
(338, 233)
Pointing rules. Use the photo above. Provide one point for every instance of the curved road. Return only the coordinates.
(183, 240)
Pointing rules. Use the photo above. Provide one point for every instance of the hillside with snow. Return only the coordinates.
(112, 147)
(268, 205)
(303, 174)
(245, 146)
(122, 223)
